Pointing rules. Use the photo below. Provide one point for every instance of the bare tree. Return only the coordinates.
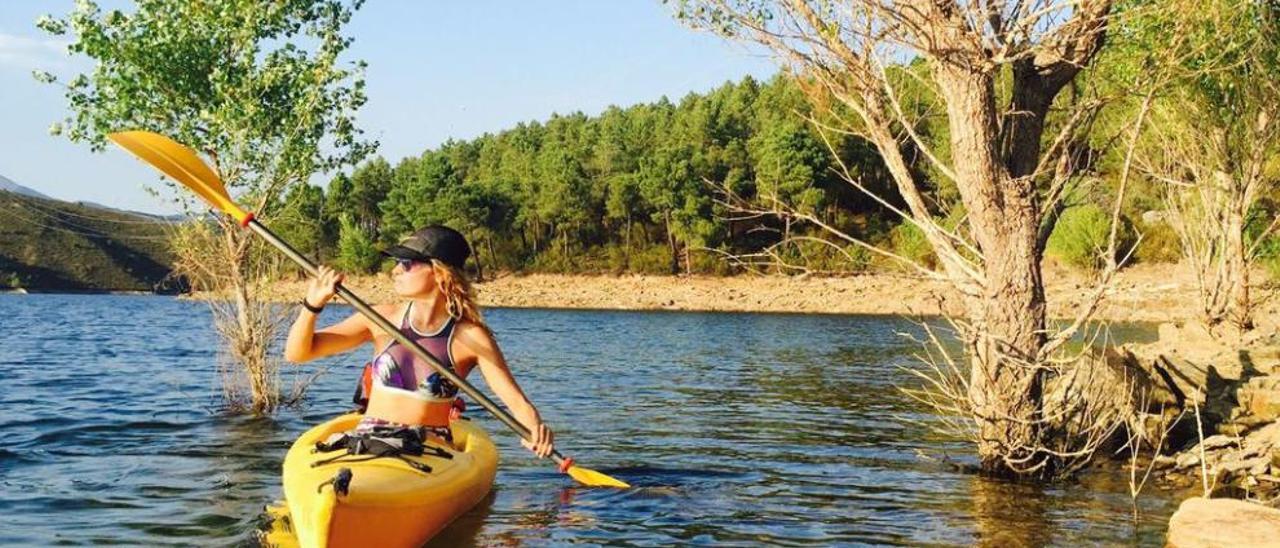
(998, 67)
(1216, 134)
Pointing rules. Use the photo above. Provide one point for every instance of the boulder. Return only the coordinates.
(1265, 360)
(1223, 522)
(1260, 397)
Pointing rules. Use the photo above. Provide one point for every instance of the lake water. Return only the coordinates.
(734, 428)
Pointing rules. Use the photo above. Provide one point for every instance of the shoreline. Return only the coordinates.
(1140, 293)
(42, 291)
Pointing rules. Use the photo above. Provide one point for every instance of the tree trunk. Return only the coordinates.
(1005, 382)
(671, 242)
(626, 249)
(493, 257)
(1009, 317)
(479, 268)
(246, 340)
(1237, 267)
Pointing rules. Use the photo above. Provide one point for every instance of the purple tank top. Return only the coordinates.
(397, 367)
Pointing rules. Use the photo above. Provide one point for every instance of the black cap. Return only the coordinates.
(437, 242)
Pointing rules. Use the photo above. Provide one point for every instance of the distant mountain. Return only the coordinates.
(174, 218)
(52, 245)
(8, 184)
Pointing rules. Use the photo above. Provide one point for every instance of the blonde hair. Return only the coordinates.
(460, 299)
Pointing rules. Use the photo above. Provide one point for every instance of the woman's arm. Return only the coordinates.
(305, 343)
(498, 376)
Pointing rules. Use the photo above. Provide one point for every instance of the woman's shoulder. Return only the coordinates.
(472, 332)
(390, 311)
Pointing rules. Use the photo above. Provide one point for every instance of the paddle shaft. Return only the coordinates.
(395, 333)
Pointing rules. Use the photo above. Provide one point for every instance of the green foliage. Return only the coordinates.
(257, 85)
(1080, 237)
(1160, 244)
(357, 251)
(300, 220)
(908, 241)
(1269, 257)
(1260, 230)
(616, 192)
(13, 281)
(651, 259)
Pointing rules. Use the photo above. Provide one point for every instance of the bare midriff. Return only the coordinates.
(407, 408)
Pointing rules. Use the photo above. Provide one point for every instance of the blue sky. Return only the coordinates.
(437, 70)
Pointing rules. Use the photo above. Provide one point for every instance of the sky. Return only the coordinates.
(437, 70)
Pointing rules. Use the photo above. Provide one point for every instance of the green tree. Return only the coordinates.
(370, 183)
(357, 251)
(1215, 137)
(300, 220)
(256, 86)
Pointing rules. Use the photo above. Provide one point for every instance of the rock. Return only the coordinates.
(1215, 442)
(1235, 466)
(1265, 359)
(1268, 435)
(1188, 459)
(1223, 522)
(1242, 424)
(1264, 405)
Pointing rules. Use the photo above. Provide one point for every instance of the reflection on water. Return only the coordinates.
(735, 428)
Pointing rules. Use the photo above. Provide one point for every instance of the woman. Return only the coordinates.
(441, 316)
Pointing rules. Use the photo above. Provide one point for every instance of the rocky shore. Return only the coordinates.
(1213, 409)
(1208, 416)
(1145, 292)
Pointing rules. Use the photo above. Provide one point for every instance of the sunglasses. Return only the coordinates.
(407, 264)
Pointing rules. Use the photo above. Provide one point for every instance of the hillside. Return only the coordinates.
(51, 245)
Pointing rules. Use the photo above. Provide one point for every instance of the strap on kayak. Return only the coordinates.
(419, 466)
(399, 443)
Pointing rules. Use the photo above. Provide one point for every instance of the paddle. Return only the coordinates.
(183, 165)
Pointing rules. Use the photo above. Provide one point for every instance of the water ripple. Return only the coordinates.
(736, 429)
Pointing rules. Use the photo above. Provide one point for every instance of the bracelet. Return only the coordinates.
(313, 309)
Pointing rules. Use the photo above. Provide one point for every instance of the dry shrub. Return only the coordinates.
(236, 270)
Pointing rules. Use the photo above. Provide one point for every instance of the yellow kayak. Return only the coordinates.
(387, 502)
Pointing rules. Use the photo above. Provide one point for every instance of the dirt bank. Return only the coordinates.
(1140, 293)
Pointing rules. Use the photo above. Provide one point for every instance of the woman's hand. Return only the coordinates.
(543, 441)
(323, 286)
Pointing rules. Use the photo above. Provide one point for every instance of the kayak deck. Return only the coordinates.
(388, 502)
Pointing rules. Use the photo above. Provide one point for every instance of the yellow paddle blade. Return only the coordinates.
(591, 478)
(180, 164)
